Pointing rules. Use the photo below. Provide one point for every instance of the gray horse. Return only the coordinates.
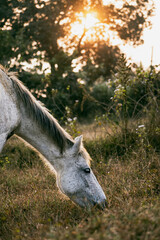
(23, 115)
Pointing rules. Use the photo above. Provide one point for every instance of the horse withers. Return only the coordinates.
(23, 115)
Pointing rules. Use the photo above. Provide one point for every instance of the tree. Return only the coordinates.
(6, 44)
(101, 59)
(128, 19)
(37, 25)
(126, 22)
(6, 39)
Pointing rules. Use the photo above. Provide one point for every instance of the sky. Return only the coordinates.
(142, 54)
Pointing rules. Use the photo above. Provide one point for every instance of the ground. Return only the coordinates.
(33, 208)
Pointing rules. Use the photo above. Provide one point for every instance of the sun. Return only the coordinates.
(90, 20)
(86, 22)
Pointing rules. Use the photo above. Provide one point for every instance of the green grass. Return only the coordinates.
(31, 207)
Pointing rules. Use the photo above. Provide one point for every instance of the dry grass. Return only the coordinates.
(95, 130)
(33, 208)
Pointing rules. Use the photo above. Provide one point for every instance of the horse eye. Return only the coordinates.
(87, 170)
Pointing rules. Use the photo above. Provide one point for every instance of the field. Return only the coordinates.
(31, 207)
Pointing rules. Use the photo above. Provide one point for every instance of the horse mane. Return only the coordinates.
(40, 114)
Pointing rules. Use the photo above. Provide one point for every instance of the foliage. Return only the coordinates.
(32, 80)
(4, 161)
(100, 64)
(129, 93)
(6, 43)
(71, 123)
(38, 26)
(129, 19)
(62, 92)
(120, 98)
(34, 29)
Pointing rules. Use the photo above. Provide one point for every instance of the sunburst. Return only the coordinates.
(86, 22)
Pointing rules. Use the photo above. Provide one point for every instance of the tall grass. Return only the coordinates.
(31, 207)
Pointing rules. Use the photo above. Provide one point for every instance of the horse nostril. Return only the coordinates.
(105, 204)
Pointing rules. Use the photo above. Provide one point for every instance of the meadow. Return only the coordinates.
(31, 206)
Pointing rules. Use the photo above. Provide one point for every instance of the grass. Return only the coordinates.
(31, 207)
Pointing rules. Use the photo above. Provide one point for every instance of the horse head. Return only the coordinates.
(76, 179)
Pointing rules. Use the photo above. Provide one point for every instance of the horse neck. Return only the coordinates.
(31, 132)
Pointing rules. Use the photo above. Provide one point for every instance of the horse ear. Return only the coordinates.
(78, 143)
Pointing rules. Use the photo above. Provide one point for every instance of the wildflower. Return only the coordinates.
(75, 119)
(69, 119)
(141, 126)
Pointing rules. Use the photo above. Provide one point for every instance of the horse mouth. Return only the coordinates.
(90, 204)
(102, 205)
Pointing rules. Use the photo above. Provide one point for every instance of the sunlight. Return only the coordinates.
(90, 20)
(91, 26)
(117, 3)
(86, 22)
